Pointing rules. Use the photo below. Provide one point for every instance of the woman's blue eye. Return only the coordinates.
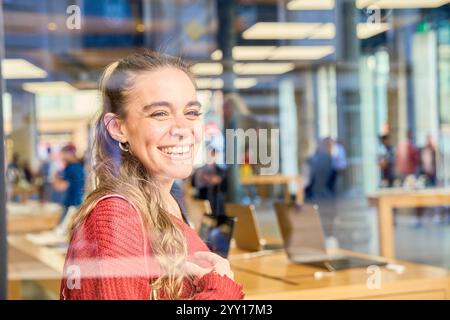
(194, 113)
(158, 114)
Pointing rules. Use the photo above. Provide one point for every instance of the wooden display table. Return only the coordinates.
(25, 267)
(296, 281)
(32, 216)
(387, 199)
(274, 180)
(24, 193)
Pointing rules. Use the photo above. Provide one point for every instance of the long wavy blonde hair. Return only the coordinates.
(119, 172)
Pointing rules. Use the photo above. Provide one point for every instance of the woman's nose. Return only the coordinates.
(180, 130)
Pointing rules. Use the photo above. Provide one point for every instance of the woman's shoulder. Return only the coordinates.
(114, 211)
(114, 201)
(116, 204)
(113, 223)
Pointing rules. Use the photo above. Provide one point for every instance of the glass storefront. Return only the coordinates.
(337, 90)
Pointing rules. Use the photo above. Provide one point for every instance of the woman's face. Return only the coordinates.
(162, 124)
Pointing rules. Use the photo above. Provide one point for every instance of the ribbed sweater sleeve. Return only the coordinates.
(213, 286)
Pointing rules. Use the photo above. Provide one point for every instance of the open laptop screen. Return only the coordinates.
(302, 232)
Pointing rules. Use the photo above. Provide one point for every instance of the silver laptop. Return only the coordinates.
(247, 234)
(304, 241)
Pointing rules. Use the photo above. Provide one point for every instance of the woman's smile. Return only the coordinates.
(177, 152)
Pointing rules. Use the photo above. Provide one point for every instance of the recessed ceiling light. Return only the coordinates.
(360, 4)
(326, 31)
(51, 26)
(209, 83)
(217, 83)
(52, 87)
(368, 30)
(401, 4)
(301, 52)
(310, 5)
(21, 69)
(245, 83)
(217, 55)
(252, 52)
(207, 68)
(263, 68)
(281, 53)
(280, 30)
(246, 53)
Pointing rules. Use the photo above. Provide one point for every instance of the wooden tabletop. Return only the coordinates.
(407, 191)
(298, 281)
(270, 275)
(269, 179)
(411, 197)
(51, 257)
(276, 179)
(32, 216)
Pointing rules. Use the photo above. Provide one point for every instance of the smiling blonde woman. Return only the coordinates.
(129, 239)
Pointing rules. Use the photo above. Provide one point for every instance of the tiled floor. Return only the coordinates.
(353, 223)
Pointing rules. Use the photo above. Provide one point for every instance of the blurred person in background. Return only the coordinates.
(247, 169)
(320, 170)
(428, 154)
(15, 161)
(70, 181)
(386, 161)
(28, 173)
(178, 194)
(210, 182)
(428, 161)
(407, 158)
(13, 175)
(18, 179)
(46, 172)
(339, 158)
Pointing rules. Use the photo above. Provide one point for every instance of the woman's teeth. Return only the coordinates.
(176, 149)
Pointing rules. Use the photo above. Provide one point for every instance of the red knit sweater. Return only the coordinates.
(109, 257)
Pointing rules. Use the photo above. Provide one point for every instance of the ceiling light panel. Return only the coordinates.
(311, 5)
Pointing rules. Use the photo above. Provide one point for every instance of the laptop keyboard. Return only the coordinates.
(352, 262)
(273, 246)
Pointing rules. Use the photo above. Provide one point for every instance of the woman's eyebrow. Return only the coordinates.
(194, 103)
(148, 107)
(156, 104)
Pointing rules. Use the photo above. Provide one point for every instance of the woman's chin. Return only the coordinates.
(180, 172)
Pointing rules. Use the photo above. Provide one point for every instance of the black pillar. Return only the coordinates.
(226, 39)
(348, 92)
(3, 239)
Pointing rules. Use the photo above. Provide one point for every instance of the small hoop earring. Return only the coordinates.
(124, 148)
